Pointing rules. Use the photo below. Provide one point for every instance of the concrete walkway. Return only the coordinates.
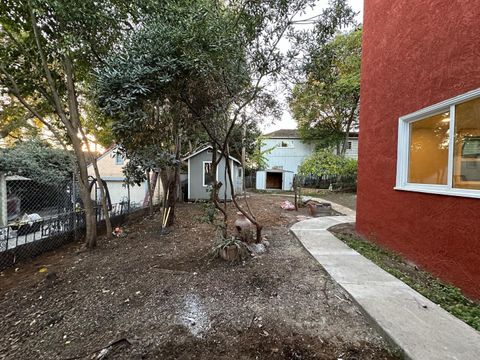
(416, 325)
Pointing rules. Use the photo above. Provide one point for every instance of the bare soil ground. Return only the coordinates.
(166, 297)
(348, 199)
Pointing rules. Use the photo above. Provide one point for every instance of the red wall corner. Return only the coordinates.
(415, 54)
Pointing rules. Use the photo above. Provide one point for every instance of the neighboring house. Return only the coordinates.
(110, 166)
(419, 166)
(285, 151)
(201, 177)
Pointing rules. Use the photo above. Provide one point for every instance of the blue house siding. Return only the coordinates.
(287, 158)
(286, 151)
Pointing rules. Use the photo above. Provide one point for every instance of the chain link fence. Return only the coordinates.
(37, 217)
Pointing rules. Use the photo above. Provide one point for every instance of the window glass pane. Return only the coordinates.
(428, 161)
(118, 159)
(208, 174)
(466, 160)
(285, 144)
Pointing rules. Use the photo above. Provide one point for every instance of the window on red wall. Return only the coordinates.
(428, 152)
(439, 148)
(466, 155)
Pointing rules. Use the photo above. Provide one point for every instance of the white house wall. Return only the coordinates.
(286, 158)
(260, 182)
(353, 152)
(290, 158)
(119, 192)
(287, 181)
(112, 173)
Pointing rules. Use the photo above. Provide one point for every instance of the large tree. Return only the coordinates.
(325, 104)
(47, 49)
(142, 85)
(209, 57)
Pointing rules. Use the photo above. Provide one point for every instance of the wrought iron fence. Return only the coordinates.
(332, 182)
(41, 217)
(251, 180)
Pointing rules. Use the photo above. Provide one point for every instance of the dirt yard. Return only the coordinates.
(348, 199)
(166, 297)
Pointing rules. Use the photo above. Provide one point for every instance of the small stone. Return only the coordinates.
(257, 249)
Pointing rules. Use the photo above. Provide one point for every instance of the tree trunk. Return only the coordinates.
(172, 197)
(72, 125)
(250, 217)
(103, 197)
(345, 141)
(128, 198)
(149, 196)
(173, 184)
(90, 216)
(347, 131)
(215, 189)
(244, 135)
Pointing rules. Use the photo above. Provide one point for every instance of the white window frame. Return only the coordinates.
(119, 160)
(290, 144)
(203, 173)
(403, 148)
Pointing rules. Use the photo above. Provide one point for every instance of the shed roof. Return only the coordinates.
(195, 153)
(275, 170)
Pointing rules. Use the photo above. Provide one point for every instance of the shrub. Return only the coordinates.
(325, 163)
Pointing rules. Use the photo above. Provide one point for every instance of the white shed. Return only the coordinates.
(274, 179)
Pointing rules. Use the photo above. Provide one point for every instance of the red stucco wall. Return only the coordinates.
(415, 54)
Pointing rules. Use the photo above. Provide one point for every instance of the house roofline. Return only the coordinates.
(105, 153)
(206, 148)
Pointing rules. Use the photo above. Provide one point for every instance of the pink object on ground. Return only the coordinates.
(287, 205)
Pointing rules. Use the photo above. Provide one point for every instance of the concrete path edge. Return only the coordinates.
(418, 327)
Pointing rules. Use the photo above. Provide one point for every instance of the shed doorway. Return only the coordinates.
(274, 180)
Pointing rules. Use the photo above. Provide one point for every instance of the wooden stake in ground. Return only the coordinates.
(296, 189)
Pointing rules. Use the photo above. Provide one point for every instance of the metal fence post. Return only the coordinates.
(3, 200)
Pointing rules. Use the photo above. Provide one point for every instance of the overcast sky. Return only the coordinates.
(286, 122)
